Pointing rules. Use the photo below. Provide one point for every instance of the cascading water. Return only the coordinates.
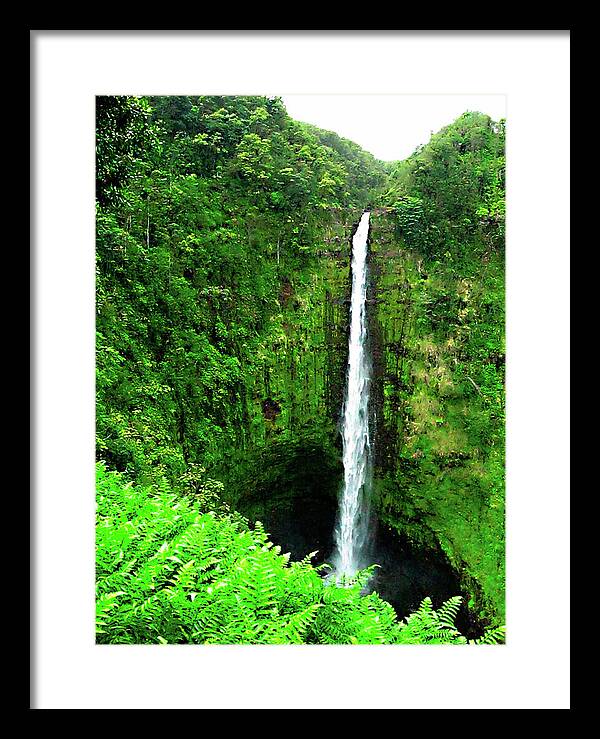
(352, 526)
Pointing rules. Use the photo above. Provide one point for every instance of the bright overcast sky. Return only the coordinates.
(389, 126)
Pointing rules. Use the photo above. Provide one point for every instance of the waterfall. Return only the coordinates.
(352, 525)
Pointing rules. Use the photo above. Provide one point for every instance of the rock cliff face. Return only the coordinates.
(439, 438)
(291, 457)
(435, 485)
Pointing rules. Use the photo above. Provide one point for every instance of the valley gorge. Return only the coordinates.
(224, 290)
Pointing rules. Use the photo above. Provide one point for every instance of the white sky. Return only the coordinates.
(389, 126)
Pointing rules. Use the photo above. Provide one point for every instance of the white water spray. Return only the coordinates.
(352, 525)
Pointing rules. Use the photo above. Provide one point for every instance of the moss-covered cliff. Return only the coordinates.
(291, 450)
(439, 445)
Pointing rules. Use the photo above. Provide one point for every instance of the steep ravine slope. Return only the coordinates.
(439, 448)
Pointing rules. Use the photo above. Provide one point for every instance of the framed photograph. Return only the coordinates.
(283, 311)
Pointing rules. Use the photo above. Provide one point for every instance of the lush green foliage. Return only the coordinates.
(183, 569)
(222, 272)
(205, 206)
(443, 316)
(450, 193)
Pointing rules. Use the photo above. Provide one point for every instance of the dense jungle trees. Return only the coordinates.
(450, 194)
(202, 204)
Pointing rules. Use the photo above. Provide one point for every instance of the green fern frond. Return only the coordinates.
(496, 635)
